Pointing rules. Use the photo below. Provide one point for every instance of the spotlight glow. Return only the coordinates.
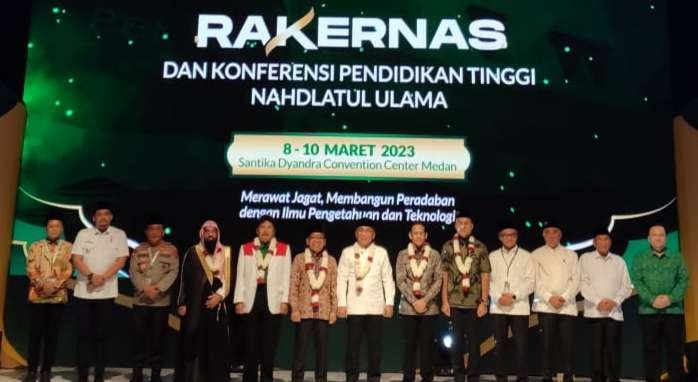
(447, 341)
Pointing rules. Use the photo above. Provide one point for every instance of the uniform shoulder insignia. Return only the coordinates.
(141, 251)
(170, 250)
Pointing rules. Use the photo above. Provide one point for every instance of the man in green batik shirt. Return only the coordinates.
(660, 277)
(464, 294)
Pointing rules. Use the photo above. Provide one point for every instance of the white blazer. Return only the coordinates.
(278, 277)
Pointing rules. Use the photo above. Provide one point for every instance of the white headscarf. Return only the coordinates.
(211, 224)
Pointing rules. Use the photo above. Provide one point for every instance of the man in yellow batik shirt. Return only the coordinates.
(48, 269)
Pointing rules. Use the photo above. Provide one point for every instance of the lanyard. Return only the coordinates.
(52, 260)
(501, 251)
(152, 256)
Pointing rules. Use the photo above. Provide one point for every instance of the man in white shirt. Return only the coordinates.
(557, 285)
(605, 284)
(98, 254)
(261, 293)
(512, 280)
(365, 294)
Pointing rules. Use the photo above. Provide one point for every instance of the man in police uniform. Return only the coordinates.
(153, 268)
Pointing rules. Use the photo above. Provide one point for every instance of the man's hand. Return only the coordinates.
(420, 306)
(606, 305)
(97, 280)
(506, 299)
(658, 303)
(342, 312)
(602, 306)
(240, 308)
(666, 300)
(661, 301)
(49, 289)
(283, 308)
(213, 300)
(151, 292)
(388, 311)
(333, 318)
(556, 301)
(481, 310)
(182, 310)
(296, 316)
(446, 309)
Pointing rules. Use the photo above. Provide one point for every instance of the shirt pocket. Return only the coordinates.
(114, 251)
(165, 265)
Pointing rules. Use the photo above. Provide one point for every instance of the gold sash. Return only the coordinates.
(209, 274)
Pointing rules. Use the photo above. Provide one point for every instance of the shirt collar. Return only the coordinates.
(598, 255)
(362, 249)
(56, 242)
(265, 246)
(420, 250)
(510, 251)
(106, 232)
(464, 239)
(658, 254)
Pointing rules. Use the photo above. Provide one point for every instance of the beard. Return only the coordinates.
(210, 245)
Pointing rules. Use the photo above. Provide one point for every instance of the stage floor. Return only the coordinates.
(64, 374)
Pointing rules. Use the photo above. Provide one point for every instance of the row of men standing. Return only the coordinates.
(361, 289)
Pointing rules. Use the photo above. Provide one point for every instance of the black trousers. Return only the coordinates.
(44, 321)
(606, 334)
(261, 338)
(359, 326)
(519, 330)
(237, 338)
(557, 335)
(658, 329)
(418, 337)
(317, 329)
(466, 339)
(150, 324)
(94, 318)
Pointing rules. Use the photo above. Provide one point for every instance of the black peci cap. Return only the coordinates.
(54, 215)
(315, 228)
